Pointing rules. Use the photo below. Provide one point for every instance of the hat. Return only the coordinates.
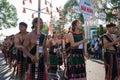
(22, 24)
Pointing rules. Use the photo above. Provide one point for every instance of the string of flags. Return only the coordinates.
(46, 3)
(26, 0)
(48, 10)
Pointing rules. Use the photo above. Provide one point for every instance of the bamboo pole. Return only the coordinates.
(38, 33)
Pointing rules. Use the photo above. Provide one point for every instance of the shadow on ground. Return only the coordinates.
(5, 72)
(97, 61)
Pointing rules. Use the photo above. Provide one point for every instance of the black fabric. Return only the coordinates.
(20, 53)
(33, 50)
(51, 51)
(12, 51)
(41, 67)
(41, 39)
(110, 41)
(107, 57)
(40, 70)
(111, 61)
(67, 47)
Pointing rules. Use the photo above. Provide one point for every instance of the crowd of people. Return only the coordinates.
(94, 48)
(39, 56)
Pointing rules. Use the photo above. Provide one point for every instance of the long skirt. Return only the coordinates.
(76, 67)
(53, 63)
(111, 65)
(40, 70)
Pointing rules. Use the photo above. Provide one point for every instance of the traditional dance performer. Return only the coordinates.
(21, 57)
(110, 42)
(76, 67)
(30, 45)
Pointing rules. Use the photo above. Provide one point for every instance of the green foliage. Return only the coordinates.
(45, 29)
(81, 18)
(101, 30)
(70, 4)
(114, 2)
(57, 28)
(8, 15)
(111, 16)
(115, 5)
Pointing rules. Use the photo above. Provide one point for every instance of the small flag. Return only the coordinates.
(50, 28)
(47, 10)
(23, 2)
(24, 10)
(57, 9)
(32, 15)
(51, 15)
(45, 2)
(50, 5)
(30, 1)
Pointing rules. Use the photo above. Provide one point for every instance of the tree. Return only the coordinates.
(101, 30)
(113, 5)
(8, 15)
(45, 29)
(106, 7)
(70, 4)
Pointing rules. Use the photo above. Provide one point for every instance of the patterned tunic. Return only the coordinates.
(53, 59)
(75, 62)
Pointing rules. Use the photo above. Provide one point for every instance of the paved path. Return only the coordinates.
(95, 70)
(5, 72)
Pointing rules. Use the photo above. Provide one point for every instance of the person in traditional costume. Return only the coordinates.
(76, 67)
(5, 50)
(21, 57)
(66, 51)
(110, 43)
(13, 54)
(30, 49)
(54, 52)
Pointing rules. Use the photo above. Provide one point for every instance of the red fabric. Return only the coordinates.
(24, 10)
(28, 76)
(46, 76)
(50, 28)
(30, 1)
(6, 54)
(18, 66)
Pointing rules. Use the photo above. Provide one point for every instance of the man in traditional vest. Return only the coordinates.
(31, 45)
(21, 58)
(110, 43)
